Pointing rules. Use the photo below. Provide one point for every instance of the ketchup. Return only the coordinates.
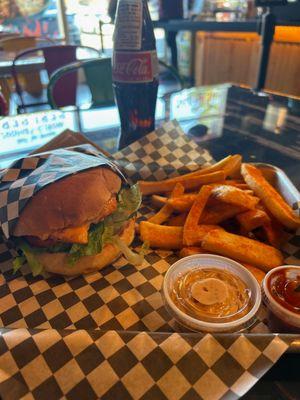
(284, 286)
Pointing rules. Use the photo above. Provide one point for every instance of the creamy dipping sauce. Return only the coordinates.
(212, 295)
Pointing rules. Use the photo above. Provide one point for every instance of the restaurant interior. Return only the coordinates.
(215, 79)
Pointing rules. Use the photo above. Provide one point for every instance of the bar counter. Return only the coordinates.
(229, 52)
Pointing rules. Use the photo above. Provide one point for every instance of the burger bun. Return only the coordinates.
(58, 262)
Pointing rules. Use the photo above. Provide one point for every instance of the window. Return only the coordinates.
(30, 17)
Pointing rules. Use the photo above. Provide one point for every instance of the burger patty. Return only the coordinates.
(37, 242)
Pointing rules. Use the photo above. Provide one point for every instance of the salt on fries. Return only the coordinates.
(228, 209)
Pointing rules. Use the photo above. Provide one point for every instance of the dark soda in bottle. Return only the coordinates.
(135, 70)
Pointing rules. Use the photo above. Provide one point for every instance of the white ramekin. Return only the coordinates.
(285, 320)
(212, 261)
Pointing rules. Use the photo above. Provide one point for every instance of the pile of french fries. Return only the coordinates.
(227, 209)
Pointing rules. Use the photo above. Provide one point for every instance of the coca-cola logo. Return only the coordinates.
(137, 66)
(133, 67)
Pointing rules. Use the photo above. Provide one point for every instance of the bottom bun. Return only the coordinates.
(57, 263)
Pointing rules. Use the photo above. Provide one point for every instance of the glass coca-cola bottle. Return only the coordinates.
(135, 70)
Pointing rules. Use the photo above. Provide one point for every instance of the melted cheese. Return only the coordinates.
(79, 234)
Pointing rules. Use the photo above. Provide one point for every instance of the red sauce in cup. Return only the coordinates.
(282, 297)
(284, 286)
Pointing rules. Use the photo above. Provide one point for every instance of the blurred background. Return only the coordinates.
(206, 56)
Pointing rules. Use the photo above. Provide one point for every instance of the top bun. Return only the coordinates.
(85, 197)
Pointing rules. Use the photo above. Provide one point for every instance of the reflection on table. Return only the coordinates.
(223, 118)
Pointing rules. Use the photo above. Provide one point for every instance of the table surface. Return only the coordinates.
(228, 120)
(34, 62)
(211, 25)
(262, 128)
(25, 65)
(207, 25)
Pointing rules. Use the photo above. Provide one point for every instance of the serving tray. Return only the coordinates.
(113, 322)
(282, 183)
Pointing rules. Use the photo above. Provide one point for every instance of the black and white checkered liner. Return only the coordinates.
(28, 175)
(107, 335)
(73, 365)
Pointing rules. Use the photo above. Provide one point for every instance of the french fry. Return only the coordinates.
(144, 187)
(214, 195)
(242, 249)
(233, 167)
(192, 221)
(234, 196)
(252, 219)
(177, 220)
(161, 236)
(164, 213)
(189, 251)
(256, 272)
(270, 197)
(219, 212)
(235, 182)
(219, 166)
(201, 231)
(182, 203)
(158, 201)
(151, 187)
(170, 237)
(242, 186)
(274, 233)
(185, 202)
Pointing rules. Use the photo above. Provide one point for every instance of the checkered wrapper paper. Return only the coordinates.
(28, 175)
(107, 335)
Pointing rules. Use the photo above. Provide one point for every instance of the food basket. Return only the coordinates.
(107, 334)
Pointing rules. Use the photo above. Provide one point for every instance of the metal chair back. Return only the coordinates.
(54, 57)
(98, 76)
(31, 80)
(173, 73)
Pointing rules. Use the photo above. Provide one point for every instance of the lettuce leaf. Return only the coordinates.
(93, 246)
(18, 262)
(132, 257)
(129, 200)
(29, 256)
(59, 248)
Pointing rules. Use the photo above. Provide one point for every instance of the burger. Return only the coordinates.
(78, 224)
